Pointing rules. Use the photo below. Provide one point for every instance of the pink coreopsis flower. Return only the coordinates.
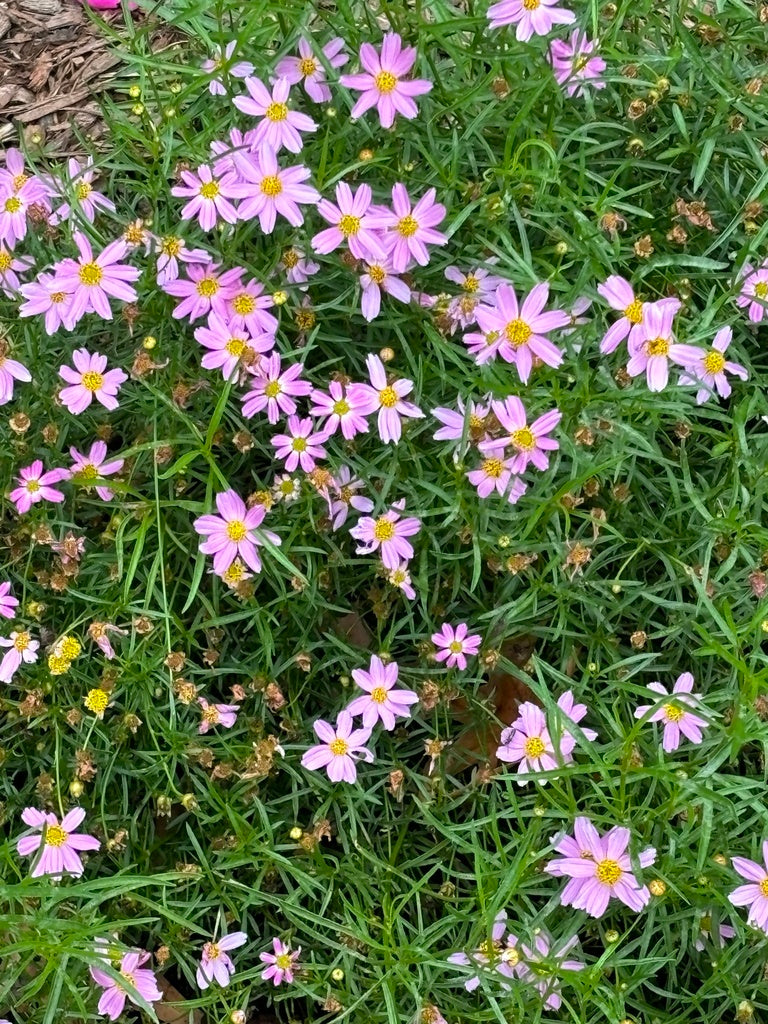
(60, 843)
(11, 370)
(19, 189)
(479, 282)
(170, 250)
(230, 347)
(307, 68)
(387, 399)
(92, 279)
(86, 469)
(381, 702)
(301, 446)
(281, 964)
(221, 63)
(232, 533)
(469, 419)
(203, 291)
(602, 870)
(401, 578)
(754, 291)
(706, 933)
(755, 894)
(135, 979)
(382, 83)
(273, 389)
(532, 17)
(208, 197)
(408, 230)
(339, 750)
(341, 409)
(677, 712)
(88, 380)
(215, 965)
(82, 197)
(486, 955)
(575, 62)
(494, 474)
(531, 443)
(574, 712)
(298, 268)
(211, 715)
(455, 643)
(268, 189)
(528, 743)
(21, 649)
(35, 485)
(483, 345)
(377, 277)
(546, 964)
(99, 633)
(46, 296)
(387, 534)
(248, 307)
(351, 223)
(279, 127)
(654, 345)
(708, 369)
(620, 295)
(10, 268)
(7, 601)
(342, 496)
(523, 328)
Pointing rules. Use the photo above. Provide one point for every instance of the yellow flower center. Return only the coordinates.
(476, 422)
(493, 468)
(517, 332)
(290, 259)
(69, 648)
(299, 444)
(83, 190)
(129, 978)
(55, 835)
(206, 287)
(273, 389)
(134, 234)
(397, 577)
(388, 397)
(673, 712)
(523, 439)
(5, 261)
(376, 273)
(341, 408)
(243, 304)
(761, 288)
(96, 701)
(763, 886)
(21, 641)
(349, 225)
(20, 181)
(407, 226)
(57, 297)
(211, 951)
(305, 319)
(57, 665)
(236, 530)
(211, 715)
(90, 274)
(385, 81)
(171, 245)
(235, 347)
(467, 304)
(286, 487)
(271, 186)
(455, 647)
(580, 63)
(338, 747)
(277, 112)
(284, 960)
(92, 381)
(489, 949)
(714, 362)
(384, 529)
(634, 312)
(471, 283)
(378, 695)
(531, 5)
(658, 347)
(32, 486)
(235, 572)
(307, 66)
(534, 746)
(608, 872)
(209, 190)
(12, 204)
(87, 472)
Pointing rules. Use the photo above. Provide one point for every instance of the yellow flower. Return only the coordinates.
(97, 701)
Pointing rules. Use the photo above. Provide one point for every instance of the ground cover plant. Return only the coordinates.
(383, 589)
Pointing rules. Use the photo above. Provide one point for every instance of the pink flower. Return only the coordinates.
(268, 190)
(302, 445)
(531, 444)
(208, 197)
(248, 306)
(724, 931)
(35, 485)
(495, 474)
(523, 328)
(87, 469)
(282, 963)
(22, 650)
(340, 749)
(82, 197)
(7, 601)
(99, 633)
(454, 644)
(379, 277)
(575, 63)
(10, 371)
(204, 291)
(400, 577)
(381, 702)
(547, 963)
(60, 843)
(654, 345)
(387, 535)
(618, 293)
(479, 282)
(706, 369)
(343, 497)
(343, 409)
(308, 68)
(135, 980)
(211, 715)
(18, 191)
(383, 85)
(280, 127)
(754, 895)
(274, 389)
(532, 17)
(410, 230)
(171, 249)
(230, 348)
(676, 713)
(88, 381)
(351, 223)
(528, 742)
(94, 278)
(215, 965)
(601, 872)
(488, 954)
(10, 268)
(45, 295)
(484, 346)
(754, 290)
(232, 533)
(388, 399)
(574, 712)
(468, 419)
(221, 63)
(298, 269)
